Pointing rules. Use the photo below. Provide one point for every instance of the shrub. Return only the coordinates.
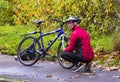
(96, 15)
(6, 13)
(116, 41)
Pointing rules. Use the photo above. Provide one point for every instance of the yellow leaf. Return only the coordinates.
(110, 4)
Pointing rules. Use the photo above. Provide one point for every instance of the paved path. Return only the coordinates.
(51, 72)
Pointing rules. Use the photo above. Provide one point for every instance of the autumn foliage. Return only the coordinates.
(96, 15)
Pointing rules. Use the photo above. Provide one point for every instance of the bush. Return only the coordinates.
(6, 13)
(96, 15)
(116, 41)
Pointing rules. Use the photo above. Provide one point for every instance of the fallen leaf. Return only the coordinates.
(26, 81)
(114, 68)
(75, 76)
(52, 62)
(114, 53)
(116, 76)
(99, 66)
(49, 75)
(107, 68)
(88, 73)
(91, 76)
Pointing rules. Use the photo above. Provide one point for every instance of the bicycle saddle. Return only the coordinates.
(38, 21)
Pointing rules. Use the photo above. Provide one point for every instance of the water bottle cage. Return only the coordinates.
(49, 42)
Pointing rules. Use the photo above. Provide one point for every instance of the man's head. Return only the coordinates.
(72, 22)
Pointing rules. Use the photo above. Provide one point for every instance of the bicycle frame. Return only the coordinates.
(33, 51)
(59, 32)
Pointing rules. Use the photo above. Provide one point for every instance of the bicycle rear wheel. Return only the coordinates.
(65, 64)
(27, 51)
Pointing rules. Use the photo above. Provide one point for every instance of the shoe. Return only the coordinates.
(77, 68)
(76, 65)
(88, 66)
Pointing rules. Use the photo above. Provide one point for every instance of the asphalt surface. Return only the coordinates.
(47, 71)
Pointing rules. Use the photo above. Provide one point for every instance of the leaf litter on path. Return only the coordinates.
(74, 76)
(116, 76)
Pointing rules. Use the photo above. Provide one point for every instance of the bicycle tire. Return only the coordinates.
(22, 51)
(65, 64)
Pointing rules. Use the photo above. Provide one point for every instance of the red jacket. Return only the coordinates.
(83, 36)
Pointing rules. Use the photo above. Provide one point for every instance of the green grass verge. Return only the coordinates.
(10, 37)
(102, 43)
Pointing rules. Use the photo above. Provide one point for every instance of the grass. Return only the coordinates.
(102, 43)
(6, 79)
(10, 37)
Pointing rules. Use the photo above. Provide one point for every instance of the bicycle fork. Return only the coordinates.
(63, 38)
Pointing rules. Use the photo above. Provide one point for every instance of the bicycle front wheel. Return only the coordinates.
(27, 51)
(65, 64)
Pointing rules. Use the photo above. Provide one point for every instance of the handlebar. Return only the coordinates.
(62, 23)
(58, 20)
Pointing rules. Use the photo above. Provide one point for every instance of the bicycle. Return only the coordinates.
(31, 49)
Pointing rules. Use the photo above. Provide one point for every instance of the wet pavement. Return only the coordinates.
(47, 71)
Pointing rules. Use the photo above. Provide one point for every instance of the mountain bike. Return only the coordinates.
(31, 49)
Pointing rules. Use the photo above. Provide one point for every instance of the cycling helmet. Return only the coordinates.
(73, 18)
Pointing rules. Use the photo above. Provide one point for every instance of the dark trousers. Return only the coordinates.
(73, 57)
